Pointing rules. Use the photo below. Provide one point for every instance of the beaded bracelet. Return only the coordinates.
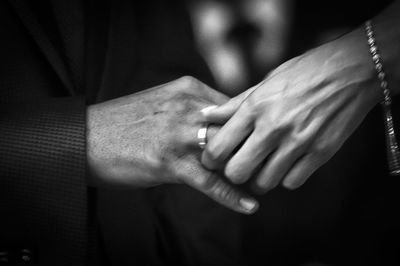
(391, 142)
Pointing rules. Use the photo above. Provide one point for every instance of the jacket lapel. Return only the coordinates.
(69, 16)
(44, 44)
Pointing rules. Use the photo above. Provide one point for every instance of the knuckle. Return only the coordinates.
(191, 86)
(253, 108)
(282, 124)
(268, 136)
(187, 81)
(203, 181)
(274, 128)
(219, 189)
(224, 192)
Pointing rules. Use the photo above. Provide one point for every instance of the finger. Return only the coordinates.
(226, 195)
(220, 147)
(221, 114)
(277, 166)
(212, 131)
(256, 148)
(189, 136)
(220, 190)
(301, 171)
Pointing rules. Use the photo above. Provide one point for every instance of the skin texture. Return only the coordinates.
(290, 124)
(150, 138)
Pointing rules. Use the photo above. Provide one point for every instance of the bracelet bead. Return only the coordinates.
(391, 141)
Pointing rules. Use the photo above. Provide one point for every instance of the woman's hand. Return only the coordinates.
(295, 120)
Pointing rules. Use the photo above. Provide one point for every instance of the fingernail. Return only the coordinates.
(290, 184)
(204, 111)
(248, 204)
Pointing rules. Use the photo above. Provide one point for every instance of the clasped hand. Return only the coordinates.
(286, 127)
(150, 138)
(281, 130)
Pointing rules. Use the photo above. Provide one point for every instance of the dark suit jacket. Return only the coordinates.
(56, 57)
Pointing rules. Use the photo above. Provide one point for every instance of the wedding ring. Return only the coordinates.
(202, 136)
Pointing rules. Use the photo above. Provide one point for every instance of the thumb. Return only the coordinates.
(221, 191)
(221, 114)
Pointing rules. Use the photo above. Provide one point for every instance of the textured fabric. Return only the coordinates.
(42, 190)
(98, 50)
(44, 203)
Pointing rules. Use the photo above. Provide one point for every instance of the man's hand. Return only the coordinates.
(297, 118)
(150, 138)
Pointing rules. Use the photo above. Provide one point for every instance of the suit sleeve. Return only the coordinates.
(43, 192)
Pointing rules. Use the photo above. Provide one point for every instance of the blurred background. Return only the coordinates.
(242, 40)
(344, 215)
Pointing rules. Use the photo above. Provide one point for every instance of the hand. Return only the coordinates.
(290, 124)
(150, 138)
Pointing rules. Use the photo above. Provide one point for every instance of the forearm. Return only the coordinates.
(354, 50)
(347, 60)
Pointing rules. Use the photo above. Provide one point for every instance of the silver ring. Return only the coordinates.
(202, 136)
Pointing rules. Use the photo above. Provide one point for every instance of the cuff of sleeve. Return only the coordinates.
(42, 169)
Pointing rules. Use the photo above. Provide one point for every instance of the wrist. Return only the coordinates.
(92, 160)
(352, 55)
